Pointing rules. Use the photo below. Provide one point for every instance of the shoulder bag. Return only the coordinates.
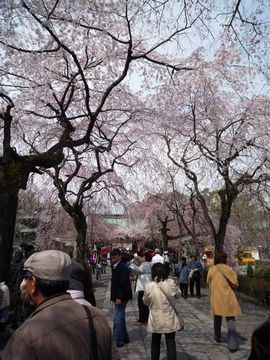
(232, 286)
(92, 335)
(180, 319)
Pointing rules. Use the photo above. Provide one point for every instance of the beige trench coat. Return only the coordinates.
(223, 300)
(162, 318)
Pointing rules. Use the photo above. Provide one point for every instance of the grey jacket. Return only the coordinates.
(59, 329)
(183, 273)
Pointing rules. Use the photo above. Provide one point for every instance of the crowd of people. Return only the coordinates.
(56, 315)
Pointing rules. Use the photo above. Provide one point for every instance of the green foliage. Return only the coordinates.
(262, 269)
(250, 283)
(253, 286)
(250, 271)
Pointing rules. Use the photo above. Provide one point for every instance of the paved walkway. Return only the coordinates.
(196, 341)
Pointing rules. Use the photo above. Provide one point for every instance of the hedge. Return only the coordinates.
(254, 287)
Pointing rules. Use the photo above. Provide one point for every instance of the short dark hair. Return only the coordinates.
(183, 258)
(116, 251)
(159, 272)
(260, 346)
(51, 287)
(220, 258)
(148, 256)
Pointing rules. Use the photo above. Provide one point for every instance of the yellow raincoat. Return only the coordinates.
(223, 300)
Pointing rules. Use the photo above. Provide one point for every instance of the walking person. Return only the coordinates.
(76, 290)
(195, 268)
(221, 280)
(159, 295)
(121, 293)
(59, 327)
(143, 277)
(88, 289)
(22, 308)
(98, 270)
(183, 273)
(104, 265)
(78, 284)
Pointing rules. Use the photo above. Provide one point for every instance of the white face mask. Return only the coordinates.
(24, 294)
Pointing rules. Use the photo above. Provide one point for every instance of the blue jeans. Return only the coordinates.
(120, 334)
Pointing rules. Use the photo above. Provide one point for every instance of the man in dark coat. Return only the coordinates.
(196, 268)
(121, 293)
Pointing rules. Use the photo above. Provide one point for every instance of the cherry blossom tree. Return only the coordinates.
(154, 219)
(221, 140)
(62, 61)
(54, 229)
(88, 170)
(189, 216)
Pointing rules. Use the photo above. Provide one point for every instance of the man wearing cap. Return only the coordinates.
(80, 284)
(121, 293)
(76, 290)
(59, 327)
(76, 283)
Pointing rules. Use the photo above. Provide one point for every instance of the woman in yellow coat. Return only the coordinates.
(221, 280)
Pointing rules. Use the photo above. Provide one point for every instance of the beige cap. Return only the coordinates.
(49, 265)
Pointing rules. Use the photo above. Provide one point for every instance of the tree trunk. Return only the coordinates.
(227, 197)
(13, 176)
(81, 228)
(8, 211)
(164, 233)
(219, 243)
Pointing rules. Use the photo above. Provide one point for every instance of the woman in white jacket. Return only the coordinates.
(143, 277)
(162, 317)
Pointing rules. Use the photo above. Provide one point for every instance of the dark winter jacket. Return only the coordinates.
(120, 286)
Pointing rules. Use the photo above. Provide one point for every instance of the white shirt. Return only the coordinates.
(144, 275)
(114, 265)
(78, 296)
(157, 259)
